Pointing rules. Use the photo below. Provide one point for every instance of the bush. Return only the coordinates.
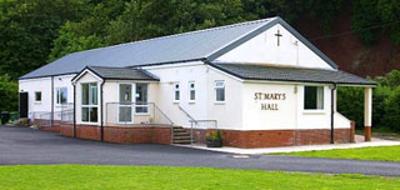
(386, 102)
(8, 94)
(391, 118)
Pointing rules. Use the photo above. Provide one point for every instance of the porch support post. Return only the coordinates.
(367, 113)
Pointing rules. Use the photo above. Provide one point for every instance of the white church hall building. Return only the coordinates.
(260, 83)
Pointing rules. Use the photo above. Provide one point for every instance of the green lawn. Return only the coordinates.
(154, 177)
(385, 153)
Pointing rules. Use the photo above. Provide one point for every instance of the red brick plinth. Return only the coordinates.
(276, 138)
(143, 134)
(367, 133)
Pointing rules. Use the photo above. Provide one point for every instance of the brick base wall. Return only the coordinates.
(121, 135)
(276, 138)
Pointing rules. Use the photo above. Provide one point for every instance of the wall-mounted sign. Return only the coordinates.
(269, 96)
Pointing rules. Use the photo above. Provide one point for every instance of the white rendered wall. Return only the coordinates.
(263, 49)
(31, 86)
(44, 85)
(290, 113)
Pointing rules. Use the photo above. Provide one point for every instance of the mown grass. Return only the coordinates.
(154, 177)
(384, 153)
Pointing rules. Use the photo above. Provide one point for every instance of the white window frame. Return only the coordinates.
(190, 83)
(58, 95)
(144, 105)
(216, 88)
(131, 105)
(177, 89)
(90, 100)
(320, 89)
(41, 97)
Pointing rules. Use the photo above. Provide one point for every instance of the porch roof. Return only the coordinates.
(117, 73)
(295, 74)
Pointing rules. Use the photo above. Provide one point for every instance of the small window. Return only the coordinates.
(177, 93)
(62, 96)
(220, 91)
(313, 98)
(192, 91)
(38, 97)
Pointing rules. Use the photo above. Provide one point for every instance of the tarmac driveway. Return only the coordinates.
(28, 146)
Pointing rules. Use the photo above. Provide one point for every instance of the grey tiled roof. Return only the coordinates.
(259, 72)
(175, 48)
(121, 73)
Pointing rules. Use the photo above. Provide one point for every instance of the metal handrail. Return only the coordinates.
(193, 121)
(148, 104)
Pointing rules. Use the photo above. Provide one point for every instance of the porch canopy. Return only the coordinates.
(305, 75)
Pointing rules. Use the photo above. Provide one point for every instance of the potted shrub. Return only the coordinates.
(214, 139)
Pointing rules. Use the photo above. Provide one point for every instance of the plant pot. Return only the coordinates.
(214, 143)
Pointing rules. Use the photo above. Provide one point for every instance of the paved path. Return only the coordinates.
(28, 146)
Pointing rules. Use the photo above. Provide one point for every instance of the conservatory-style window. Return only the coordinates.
(313, 98)
(89, 102)
(220, 91)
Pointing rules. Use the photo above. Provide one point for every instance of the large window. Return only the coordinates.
(62, 95)
(220, 91)
(177, 92)
(89, 102)
(192, 91)
(38, 97)
(125, 106)
(313, 97)
(142, 106)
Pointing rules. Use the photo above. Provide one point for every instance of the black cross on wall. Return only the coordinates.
(278, 36)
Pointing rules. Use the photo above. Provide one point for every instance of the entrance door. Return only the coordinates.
(23, 105)
(142, 106)
(125, 114)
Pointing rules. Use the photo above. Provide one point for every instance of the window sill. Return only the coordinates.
(175, 102)
(219, 103)
(37, 103)
(314, 112)
(192, 102)
(142, 114)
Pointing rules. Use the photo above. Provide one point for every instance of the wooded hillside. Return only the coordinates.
(362, 36)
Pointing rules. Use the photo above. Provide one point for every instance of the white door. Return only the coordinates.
(125, 106)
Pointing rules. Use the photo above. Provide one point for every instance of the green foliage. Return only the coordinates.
(27, 30)
(372, 17)
(386, 102)
(8, 94)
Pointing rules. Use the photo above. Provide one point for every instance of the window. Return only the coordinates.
(142, 106)
(313, 97)
(38, 97)
(177, 93)
(220, 91)
(62, 96)
(125, 105)
(192, 91)
(89, 102)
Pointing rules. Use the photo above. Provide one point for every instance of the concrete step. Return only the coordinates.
(183, 133)
(181, 137)
(182, 141)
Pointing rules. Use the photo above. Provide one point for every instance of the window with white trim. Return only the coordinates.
(313, 97)
(61, 95)
(177, 92)
(220, 91)
(38, 97)
(89, 102)
(192, 91)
